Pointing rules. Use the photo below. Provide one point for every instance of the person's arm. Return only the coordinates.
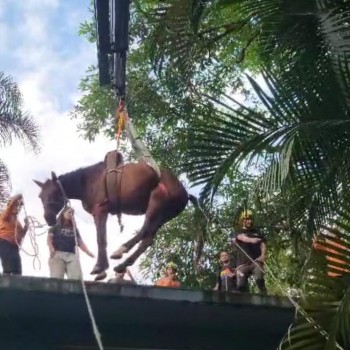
(50, 243)
(244, 238)
(83, 247)
(263, 247)
(26, 225)
(15, 201)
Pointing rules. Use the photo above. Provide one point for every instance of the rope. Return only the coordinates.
(86, 297)
(293, 302)
(33, 225)
(121, 116)
(297, 307)
(95, 329)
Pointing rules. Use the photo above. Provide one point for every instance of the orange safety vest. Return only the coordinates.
(168, 282)
(10, 228)
(341, 251)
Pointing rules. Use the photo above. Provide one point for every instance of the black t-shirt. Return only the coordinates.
(225, 282)
(63, 238)
(252, 249)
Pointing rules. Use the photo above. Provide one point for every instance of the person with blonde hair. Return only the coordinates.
(62, 244)
(11, 236)
(170, 279)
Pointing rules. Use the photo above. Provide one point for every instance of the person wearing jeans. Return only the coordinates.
(61, 241)
(11, 236)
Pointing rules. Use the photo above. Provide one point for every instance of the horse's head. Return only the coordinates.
(52, 198)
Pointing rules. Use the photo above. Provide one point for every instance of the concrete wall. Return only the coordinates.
(47, 314)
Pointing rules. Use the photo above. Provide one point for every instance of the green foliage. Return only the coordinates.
(14, 124)
(178, 241)
(323, 320)
(290, 61)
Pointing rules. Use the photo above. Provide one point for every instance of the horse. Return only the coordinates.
(139, 190)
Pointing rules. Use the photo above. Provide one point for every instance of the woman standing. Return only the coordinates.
(11, 236)
(61, 241)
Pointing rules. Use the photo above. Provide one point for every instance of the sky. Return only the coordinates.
(41, 50)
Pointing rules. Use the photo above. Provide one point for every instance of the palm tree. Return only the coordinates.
(299, 129)
(14, 124)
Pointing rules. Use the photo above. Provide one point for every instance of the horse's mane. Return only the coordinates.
(74, 181)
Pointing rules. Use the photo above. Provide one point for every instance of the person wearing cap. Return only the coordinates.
(226, 279)
(251, 251)
(170, 279)
(120, 278)
(11, 236)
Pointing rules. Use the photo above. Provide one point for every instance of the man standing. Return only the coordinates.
(11, 236)
(251, 253)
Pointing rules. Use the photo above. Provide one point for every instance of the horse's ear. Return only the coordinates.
(53, 176)
(40, 184)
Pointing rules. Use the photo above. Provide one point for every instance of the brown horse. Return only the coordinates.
(139, 191)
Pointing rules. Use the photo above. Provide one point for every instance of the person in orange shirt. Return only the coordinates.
(335, 252)
(11, 236)
(170, 279)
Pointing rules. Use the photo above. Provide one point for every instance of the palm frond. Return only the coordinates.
(5, 185)
(334, 23)
(14, 123)
(325, 321)
(301, 132)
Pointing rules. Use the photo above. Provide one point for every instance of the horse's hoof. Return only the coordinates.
(118, 254)
(98, 269)
(101, 276)
(119, 268)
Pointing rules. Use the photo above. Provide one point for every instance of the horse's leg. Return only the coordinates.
(118, 254)
(100, 218)
(153, 215)
(144, 244)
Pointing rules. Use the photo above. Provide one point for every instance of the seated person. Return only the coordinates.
(120, 278)
(226, 280)
(170, 279)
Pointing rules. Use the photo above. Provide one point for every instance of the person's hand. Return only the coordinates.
(52, 252)
(255, 240)
(91, 255)
(261, 259)
(19, 199)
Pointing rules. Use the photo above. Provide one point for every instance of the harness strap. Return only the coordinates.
(113, 160)
(141, 151)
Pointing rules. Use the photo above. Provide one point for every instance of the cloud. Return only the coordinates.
(48, 63)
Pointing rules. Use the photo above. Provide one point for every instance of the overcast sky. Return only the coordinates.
(41, 49)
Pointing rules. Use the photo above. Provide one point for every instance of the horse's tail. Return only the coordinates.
(119, 216)
(200, 219)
